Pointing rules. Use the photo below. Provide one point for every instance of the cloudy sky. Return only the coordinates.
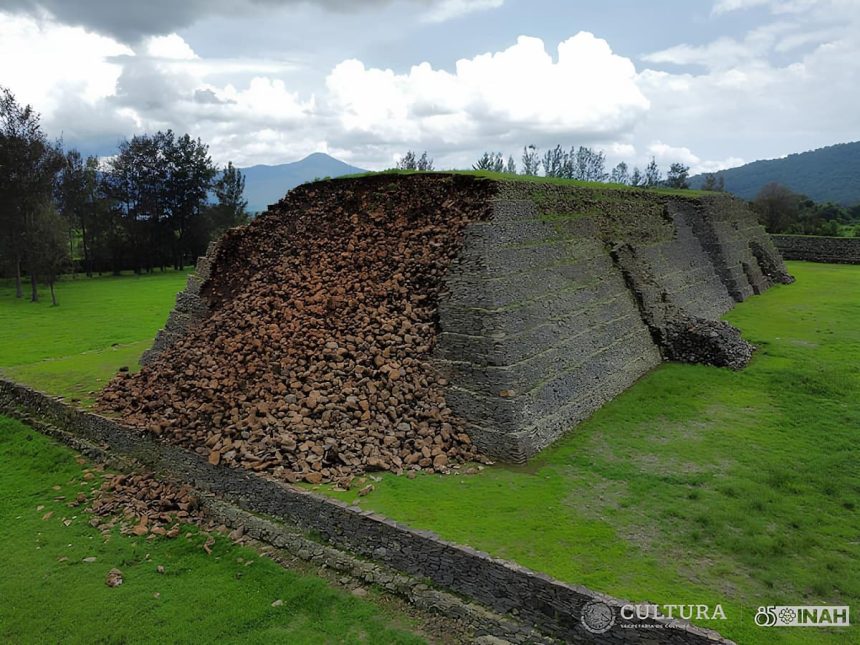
(711, 83)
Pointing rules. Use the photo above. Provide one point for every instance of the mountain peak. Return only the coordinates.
(265, 185)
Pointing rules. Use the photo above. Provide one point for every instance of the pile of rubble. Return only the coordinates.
(314, 362)
(142, 505)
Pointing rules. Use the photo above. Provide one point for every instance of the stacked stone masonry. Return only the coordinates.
(566, 295)
(838, 250)
(190, 307)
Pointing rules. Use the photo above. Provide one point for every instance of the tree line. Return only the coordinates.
(582, 163)
(782, 210)
(155, 204)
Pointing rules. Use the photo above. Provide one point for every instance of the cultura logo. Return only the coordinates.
(803, 616)
(597, 617)
(671, 612)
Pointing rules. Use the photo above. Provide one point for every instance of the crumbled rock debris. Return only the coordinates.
(314, 363)
(711, 342)
(142, 505)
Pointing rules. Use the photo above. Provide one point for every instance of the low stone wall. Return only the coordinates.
(838, 250)
(292, 542)
(550, 606)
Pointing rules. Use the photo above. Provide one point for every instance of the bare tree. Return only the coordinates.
(425, 163)
(589, 165)
(231, 207)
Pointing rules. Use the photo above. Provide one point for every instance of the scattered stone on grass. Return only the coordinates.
(142, 505)
(114, 578)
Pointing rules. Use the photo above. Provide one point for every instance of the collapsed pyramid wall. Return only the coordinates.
(306, 354)
(552, 300)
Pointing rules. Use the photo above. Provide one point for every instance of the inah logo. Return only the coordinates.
(803, 616)
(597, 617)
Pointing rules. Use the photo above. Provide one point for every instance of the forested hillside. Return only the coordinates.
(829, 174)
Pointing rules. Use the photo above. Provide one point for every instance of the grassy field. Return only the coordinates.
(698, 485)
(100, 325)
(51, 595)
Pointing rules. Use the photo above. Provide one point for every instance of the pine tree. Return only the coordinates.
(531, 160)
(677, 176)
(653, 176)
(619, 174)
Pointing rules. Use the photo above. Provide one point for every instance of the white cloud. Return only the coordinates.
(697, 55)
(171, 46)
(783, 36)
(787, 85)
(664, 152)
(776, 6)
(726, 6)
(52, 61)
(666, 155)
(269, 101)
(784, 87)
(450, 9)
(131, 22)
(620, 151)
(512, 95)
(714, 166)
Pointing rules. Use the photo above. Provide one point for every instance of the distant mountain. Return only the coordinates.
(265, 185)
(829, 174)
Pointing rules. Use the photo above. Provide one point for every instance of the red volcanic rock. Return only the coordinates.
(313, 363)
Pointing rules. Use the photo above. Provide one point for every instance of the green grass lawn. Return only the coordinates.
(50, 595)
(697, 485)
(100, 325)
